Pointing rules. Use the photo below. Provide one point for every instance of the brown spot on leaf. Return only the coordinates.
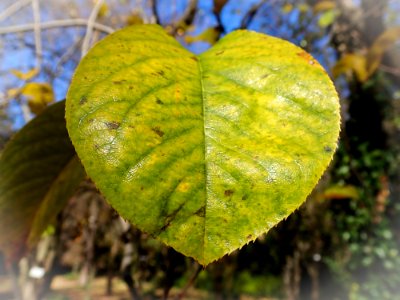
(327, 149)
(158, 131)
(161, 73)
(194, 58)
(112, 125)
(249, 237)
(83, 100)
(158, 101)
(220, 52)
(201, 212)
(245, 197)
(119, 81)
(228, 193)
(307, 57)
(264, 76)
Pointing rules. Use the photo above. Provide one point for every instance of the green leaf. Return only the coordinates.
(327, 18)
(39, 170)
(204, 152)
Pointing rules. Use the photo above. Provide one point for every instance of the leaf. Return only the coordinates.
(327, 18)
(383, 43)
(219, 5)
(25, 76)
(39, 170)
(287, 8)
(135, 18)
(341, 192)
(322, 6)
(352, 63)
(39, 95)
(303, 7)
(103, 11)
(204, 152)
(210, 35)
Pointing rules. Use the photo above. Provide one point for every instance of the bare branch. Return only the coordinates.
(37, 33)
(55, 24)
(155, 16)
(248, 18)
(12, 9)
(187, 17)
(90, 25)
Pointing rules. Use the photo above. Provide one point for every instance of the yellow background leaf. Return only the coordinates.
(323, 6)
(355, 63)
(25, 76)
(39, 95)
(384, 41)
(341, 192)
(209, 35)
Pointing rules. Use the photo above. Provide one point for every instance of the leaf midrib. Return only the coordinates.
(204, 151)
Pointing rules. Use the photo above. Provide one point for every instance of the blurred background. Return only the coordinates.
(344, 241)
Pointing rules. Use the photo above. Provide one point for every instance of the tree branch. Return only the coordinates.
(12, 9)
(248, 17)
(37, 33)
(55, 24)
(90, 25)
(187, 17)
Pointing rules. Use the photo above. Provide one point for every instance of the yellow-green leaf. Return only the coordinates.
(27, 75)
(287, 8)
(383, 43)
(327, 18)
(209, 35)
(39, 170)
(39, 95)
(134, 18)
(204, 152)
(322, 6)
(341, 192)
(351, 64)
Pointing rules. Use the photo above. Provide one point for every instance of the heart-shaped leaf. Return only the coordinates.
(39, 171)
(203, 152)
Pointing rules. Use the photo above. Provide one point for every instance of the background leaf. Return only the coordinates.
(39, 171)
(352, 63)
(383, 42)
(204, 152)
(39, 95)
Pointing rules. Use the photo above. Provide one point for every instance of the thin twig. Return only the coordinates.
(155, 17)
(187, 17)
(90, 25)
(191, 281)
(392, 70)
(37, 33)
(55, 24)
(12, 9)
(67, 55)
(249, 16)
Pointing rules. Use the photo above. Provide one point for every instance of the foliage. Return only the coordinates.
(198, 141)
(39, 171)
(342, 243)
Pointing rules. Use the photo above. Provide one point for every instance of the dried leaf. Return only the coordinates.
(27, 75)
(209, 35)
(351, 63)
(383, 43)
(39, 95)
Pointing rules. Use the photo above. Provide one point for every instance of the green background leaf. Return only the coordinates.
(39, 170)
(203, 152)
